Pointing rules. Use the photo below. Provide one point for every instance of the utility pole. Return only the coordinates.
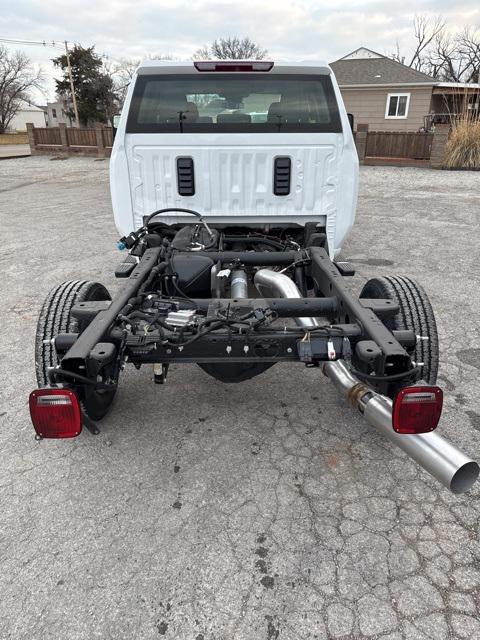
(74, 99)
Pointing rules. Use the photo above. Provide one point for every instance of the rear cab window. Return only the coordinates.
(230, 103)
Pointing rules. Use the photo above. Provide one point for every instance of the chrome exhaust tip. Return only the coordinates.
(465, 477)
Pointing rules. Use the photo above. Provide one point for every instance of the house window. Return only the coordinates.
(54, 113)
(397, 105)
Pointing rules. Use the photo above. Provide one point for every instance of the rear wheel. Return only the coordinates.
(415, 313)
(55, 317)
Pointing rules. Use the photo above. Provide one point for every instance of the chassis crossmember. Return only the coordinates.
(246, 330)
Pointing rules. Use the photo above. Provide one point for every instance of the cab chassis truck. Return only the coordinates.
(234, 185)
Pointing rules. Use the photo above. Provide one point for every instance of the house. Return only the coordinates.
(28, 112)
(389, 96)
(57, 113)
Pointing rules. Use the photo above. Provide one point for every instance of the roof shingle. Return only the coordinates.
(377, 71)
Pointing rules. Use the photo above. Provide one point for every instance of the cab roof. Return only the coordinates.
(155, 67)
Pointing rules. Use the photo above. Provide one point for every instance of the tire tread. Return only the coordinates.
(55, 317)
(415, 313)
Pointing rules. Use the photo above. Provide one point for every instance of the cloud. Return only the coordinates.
(297, 29)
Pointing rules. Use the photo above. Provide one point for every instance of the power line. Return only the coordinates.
(46, 43)
(54, 44)
(43, 43)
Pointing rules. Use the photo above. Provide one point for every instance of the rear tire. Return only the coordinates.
(55, 317)
(415, 313)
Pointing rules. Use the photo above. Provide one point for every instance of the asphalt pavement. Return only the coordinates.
(8, 151)
(265, 510)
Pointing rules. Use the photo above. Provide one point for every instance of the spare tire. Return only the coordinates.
(55, 317)
(415, 313)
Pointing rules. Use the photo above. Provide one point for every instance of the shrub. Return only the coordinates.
(463, 146)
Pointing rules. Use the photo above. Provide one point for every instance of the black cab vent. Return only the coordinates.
(281, 176)
(185, 177)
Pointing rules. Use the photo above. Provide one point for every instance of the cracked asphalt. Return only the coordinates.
(266, 510)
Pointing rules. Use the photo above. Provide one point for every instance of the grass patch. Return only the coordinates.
(463, 146)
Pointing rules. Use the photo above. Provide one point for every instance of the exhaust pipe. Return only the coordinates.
(239, 284)
(273, 284)
(444, 461)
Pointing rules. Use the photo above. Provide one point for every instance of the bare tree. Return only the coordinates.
(441, 54)
(397, 55)
(441, 58)
(457, 58)
(122, 72)
(159, 56)
(17, 78)
(231, 49)
(426, 31)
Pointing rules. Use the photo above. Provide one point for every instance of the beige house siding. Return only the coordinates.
(368, 107)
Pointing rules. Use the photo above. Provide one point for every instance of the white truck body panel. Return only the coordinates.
(234, 171)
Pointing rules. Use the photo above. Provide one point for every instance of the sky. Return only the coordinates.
(288, 29)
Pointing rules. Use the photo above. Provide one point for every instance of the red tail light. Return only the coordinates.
(417, 409)
(233, 65)
(55, 413)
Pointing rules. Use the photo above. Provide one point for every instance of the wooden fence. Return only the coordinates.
(107, 133)
(373, 147)
(399, 144)
(96, 141)
(44, 135)
(81, 137)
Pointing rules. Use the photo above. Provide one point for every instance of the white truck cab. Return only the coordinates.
(249, 143)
